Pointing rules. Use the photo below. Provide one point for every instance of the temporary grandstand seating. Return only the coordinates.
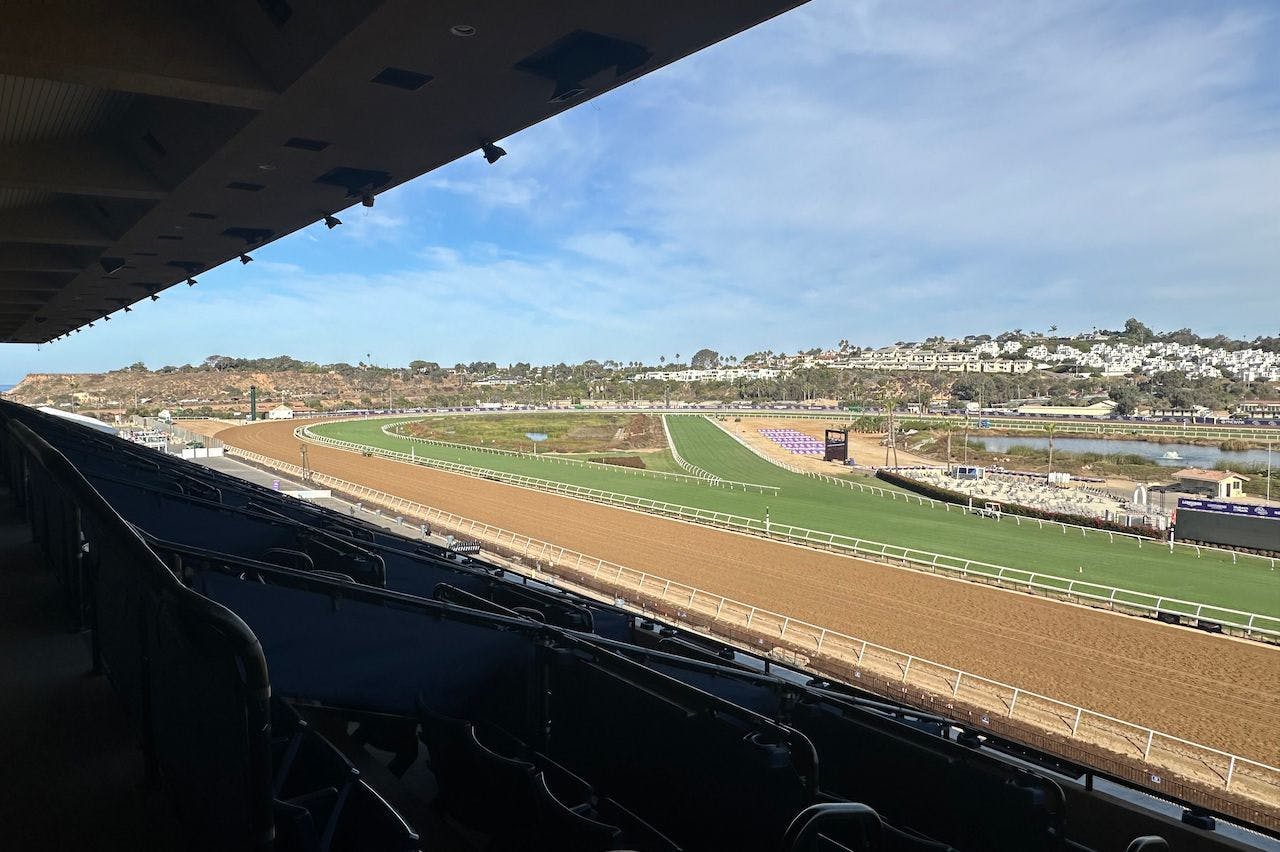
(227, 616)
(797, 442)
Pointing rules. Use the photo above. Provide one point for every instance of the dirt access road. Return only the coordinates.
(1220, 692)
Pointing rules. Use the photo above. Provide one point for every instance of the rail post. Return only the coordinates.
(1146, 752)
(1075, 726)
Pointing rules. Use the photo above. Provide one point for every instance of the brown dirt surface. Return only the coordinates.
(1220, 692)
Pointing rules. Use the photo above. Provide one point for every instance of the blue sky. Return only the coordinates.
(862, 170)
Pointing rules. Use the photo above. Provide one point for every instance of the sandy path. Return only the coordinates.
(208, 428)
(1216, 691)
(865, 449)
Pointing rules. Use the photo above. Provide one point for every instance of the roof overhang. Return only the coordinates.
(143, 143)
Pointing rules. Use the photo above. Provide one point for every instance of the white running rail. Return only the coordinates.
(391, 430)
(1199, 549)
(680, 460)
(950, 686)
(1250, 625)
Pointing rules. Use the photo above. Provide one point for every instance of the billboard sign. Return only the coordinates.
(1224, 508)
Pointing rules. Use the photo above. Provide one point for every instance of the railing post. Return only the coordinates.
(955, 690)
(1075, 726)
(1151, 735)
(1013, 702)
(1231, 770)
(907, 668)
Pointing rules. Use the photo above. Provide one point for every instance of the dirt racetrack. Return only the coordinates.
(1220, 692)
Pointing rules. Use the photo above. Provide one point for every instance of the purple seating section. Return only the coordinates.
(797, 442)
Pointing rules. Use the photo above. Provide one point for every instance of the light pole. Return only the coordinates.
(1268, 471)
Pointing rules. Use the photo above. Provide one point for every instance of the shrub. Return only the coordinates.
(621, 461)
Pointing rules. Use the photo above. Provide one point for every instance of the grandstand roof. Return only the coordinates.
(82, 419)
(144, 143)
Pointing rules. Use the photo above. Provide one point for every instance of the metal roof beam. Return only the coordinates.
(16, 257)
(76, 167)
(51, 224)
(170, 49)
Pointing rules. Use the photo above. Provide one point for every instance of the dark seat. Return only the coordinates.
(366, 822)
(567, 819)
(636, 833)
(302, 823)
(479, 787)
(309, 763)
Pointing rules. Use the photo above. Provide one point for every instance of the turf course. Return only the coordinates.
(1249, 585)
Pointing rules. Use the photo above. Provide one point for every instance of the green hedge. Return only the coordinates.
(946, 495)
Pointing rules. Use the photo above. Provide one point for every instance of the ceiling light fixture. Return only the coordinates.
(492, 153)
(366, 199)
(244, 258)
(463, 30)
(331, 221)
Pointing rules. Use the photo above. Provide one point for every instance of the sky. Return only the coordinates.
(870, 171)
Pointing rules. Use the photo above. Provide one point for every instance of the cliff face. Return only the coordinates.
(219, 390)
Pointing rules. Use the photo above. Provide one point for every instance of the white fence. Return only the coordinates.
(201, 452)
(1250, 625)
(1200, 549)
(680, 460)
(952, 688)
(392, 430)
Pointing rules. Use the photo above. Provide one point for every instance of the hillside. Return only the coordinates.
(226, 391)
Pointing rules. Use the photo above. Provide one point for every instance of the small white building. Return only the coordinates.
(280, 412)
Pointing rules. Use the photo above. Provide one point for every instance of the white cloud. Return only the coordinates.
(853, 169)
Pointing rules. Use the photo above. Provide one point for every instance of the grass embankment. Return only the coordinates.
(1249, 585)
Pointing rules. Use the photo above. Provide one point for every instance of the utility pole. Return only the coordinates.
(1050, 430)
